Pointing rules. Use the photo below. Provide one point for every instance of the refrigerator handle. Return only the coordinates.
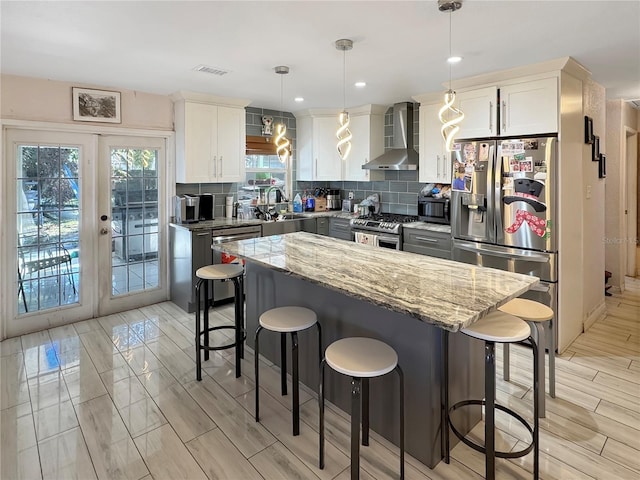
(497, 195)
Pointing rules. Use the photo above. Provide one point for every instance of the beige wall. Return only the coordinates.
(594, 104)
(619, 116)
(36, 99)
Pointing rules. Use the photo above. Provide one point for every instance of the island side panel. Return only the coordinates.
(418, 346)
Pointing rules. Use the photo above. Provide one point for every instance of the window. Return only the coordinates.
(263, 171)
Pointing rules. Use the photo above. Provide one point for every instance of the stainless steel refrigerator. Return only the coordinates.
(503, 208)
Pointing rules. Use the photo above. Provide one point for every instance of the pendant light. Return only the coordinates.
(282, 142)
(343, 134)
(450, 123)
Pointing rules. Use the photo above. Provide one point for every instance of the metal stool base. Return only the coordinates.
(240, 332)
(480, 448)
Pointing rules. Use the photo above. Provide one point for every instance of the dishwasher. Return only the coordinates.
(224, 290)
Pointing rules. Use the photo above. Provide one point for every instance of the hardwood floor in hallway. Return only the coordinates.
(116, 398)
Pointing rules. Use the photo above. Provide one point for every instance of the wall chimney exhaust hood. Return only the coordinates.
(402, 156)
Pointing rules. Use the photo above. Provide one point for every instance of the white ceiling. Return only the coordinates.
(400, 47)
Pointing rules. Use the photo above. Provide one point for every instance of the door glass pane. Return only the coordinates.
(47, 226)
(134, 214)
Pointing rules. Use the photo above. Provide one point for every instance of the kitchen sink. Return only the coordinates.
(293, 222)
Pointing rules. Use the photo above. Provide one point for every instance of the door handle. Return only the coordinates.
(503, 112)
(490, 117)
(220, 165)
(104, 231)
(315, 176)
(215, 170)
(438, 166)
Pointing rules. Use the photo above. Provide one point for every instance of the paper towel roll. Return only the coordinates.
(229, 201)
(229, 211)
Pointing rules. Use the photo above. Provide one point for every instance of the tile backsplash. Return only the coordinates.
(398, 191)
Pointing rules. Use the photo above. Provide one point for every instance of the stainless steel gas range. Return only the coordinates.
(381, 229)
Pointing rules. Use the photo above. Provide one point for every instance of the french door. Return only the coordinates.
(83, 216)
(132, 223)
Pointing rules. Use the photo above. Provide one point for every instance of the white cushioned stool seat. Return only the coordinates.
(527, 310)
(223, 271)
(288, 319)
(499, 327)
(361, 357)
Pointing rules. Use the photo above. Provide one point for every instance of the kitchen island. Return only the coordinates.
(404, 299)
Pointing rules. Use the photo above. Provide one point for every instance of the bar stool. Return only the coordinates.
(535, 314)
(287, 320)
(496, 327)
(361, 359)
(223, 272)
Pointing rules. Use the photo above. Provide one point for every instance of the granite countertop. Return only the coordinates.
(218, 223)
(444, 293)
(432, 227)
(234, 222)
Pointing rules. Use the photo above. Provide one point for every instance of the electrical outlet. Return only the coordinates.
(588, 191)
(350, 195)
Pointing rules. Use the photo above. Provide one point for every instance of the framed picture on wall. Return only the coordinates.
(588, 130)
(91, 105)
(602, 166)
(595, 149)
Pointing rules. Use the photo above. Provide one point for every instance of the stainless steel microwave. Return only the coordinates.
(433, 210)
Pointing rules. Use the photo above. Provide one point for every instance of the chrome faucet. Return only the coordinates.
(268, 191)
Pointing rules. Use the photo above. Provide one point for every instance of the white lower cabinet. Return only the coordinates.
(435, 161)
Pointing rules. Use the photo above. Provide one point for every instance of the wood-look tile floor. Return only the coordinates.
(115, 398)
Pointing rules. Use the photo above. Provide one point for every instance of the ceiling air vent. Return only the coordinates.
(212, 70)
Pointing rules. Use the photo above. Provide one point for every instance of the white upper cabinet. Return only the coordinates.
(480, 108)
(318, 157)
(210, 140)
(367, 128)
(435, 161)
(529, 107)
(524, 108)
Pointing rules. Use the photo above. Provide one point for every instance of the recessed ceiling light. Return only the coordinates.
(361, 84)
(299, 99)
(454, 59)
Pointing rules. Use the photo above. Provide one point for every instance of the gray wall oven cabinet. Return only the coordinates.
(340, 228)
(426, 242)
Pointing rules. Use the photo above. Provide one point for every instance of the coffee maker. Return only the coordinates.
(333, 199)
(187, 208)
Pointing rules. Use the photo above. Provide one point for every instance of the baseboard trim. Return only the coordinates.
(596, 314)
